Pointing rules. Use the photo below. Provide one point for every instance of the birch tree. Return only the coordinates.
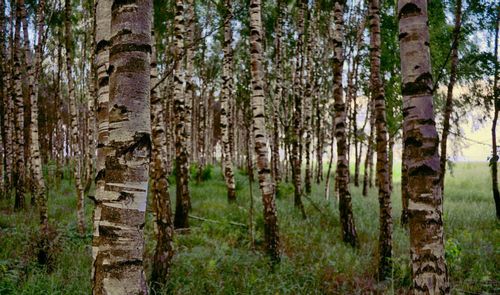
(425, 207)
(118, 260)
(260, 133)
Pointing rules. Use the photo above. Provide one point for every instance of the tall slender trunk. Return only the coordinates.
(384, 190)
(102, 43)
(9, 102)
(295, 156)
(189, 48)
(91, 112)
(75, 136)
(162, 208)
(58, 104)
(308, 94)
(369, 148)
(226, 97)
(168, 97)
(404, 185)
(26, 73)
(121, 214)
(448, 109)
(421, 140)
(390, 160)
(19, 161)
(342, 174)
(496, 102)
(4, 114)
(330, 163)
(320, 139)
(181, 127)
(38, 181)
(358, 148)
(202, 118)
(259, 125)
(278, 92)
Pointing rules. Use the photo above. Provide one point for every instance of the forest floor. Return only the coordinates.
(216, 258)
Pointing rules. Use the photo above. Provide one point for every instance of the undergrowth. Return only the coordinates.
(220, 257)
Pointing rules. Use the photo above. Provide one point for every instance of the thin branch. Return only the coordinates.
(218, 222)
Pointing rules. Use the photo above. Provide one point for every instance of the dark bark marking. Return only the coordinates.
(410, 9)
(422, 170)
(119, 48)
(102, 45)
(119, 3)
(141, 140)
(421, 85)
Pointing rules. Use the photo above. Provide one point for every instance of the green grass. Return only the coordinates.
(216, 258)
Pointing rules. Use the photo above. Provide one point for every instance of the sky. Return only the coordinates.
(478, 148)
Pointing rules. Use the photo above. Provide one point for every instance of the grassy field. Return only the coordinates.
(216, 258)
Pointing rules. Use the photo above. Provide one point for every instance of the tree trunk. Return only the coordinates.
(330, 163)
(421, 140)
(369, 150)
(448, 109)
(226, 97)
(181, 127)
(308, 93)
(26, 72)
(121, 215)
(496, 102)
(320, 139)
(19, 161)
(164, 227)
(384, 190)
(342, 174)
(91, 117)
(102, 43)
(4, 112)
(295, 156)
(38, 181)
(189, 47)
(390, 161)
(58, 106)
(275, 156)
(168, 104)
(404, 185)
(260, 134)
(357, 144)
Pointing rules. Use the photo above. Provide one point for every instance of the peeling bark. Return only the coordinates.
(295, 155)
(162, 208)
(181, 126)
(278, 92)
(226, 98)
(120, 217)
(39, 189)
(425, 207)
(384, 190)
(259, 125)
(19, 173)
(349, 234)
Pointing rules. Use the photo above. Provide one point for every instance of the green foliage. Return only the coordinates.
(203, 174)
(452, 251)
(284, 190)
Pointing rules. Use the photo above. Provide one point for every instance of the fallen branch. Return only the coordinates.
(315, 205)
(219, 222)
